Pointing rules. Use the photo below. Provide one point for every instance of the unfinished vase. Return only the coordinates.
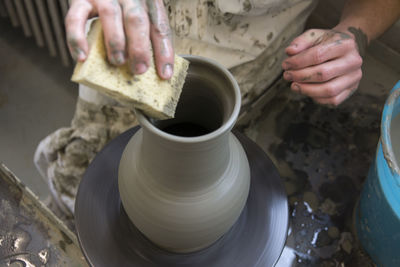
(183, 182)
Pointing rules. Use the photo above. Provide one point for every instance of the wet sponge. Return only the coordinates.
(157, 98)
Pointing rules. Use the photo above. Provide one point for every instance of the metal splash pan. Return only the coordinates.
(30, 234)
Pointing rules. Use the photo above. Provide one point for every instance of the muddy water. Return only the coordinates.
(395, 137)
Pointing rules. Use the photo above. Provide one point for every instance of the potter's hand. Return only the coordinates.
(129, 27)
(324, 65)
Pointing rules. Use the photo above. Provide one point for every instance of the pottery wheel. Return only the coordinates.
(108, 238)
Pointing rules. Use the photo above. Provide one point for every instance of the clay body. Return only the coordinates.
(184, 182)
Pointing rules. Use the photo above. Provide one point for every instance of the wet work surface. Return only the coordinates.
(323, 156)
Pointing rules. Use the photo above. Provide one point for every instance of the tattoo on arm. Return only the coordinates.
(361, 39)
(330, 34)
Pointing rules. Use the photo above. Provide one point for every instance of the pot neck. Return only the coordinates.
(193, 148)
(185, 164)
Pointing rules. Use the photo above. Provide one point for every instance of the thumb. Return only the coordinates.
(304, 41)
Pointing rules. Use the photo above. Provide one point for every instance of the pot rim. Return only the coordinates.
(392, 104)
(144, 121)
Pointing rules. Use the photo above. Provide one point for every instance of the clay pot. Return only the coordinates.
(184, 182)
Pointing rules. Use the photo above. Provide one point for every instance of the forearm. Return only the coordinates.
(372, 17)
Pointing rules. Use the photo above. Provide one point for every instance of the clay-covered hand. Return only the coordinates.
(130, 27)
(325, 64)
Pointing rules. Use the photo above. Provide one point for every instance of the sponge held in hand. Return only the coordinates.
(157, 98)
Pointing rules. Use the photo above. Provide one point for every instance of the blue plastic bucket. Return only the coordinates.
(378, 211)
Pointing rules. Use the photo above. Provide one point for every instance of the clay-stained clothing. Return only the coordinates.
(246, 36)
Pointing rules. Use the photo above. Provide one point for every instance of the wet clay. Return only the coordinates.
(183, 182)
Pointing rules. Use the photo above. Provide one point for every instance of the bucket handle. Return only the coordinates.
(389, 112)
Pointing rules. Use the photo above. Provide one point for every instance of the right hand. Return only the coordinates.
(130, 27)
(324, 65)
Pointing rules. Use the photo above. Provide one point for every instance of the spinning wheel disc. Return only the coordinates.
(108, 238)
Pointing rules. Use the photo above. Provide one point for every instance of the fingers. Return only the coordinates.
(75, 22)
(332, 91)
(114, 37)
(161, 38)
(121, 18)
(304, 41)
(137, 31)
(337, 100)
(324, 65)
(319, 54)
(326, 71)
(332, 44)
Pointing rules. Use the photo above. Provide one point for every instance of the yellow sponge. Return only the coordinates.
(157, 98)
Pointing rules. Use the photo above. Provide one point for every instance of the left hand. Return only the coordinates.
(324, 65)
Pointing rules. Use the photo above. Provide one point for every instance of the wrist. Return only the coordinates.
(357, 34)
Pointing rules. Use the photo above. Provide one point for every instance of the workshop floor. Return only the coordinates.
(322, 154)
(36, 98)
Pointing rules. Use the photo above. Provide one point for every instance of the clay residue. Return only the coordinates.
(28, 234)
